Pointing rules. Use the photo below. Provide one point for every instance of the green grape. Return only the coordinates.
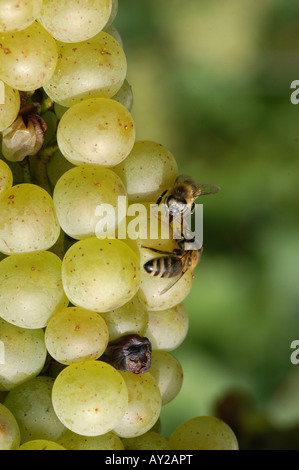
(113, 14)
(24, 354)
(18, 15)
(27, 58)
(28, 221)
(75, 334)
(59, 110)
(57, 166)
(78, 216)
(40, 444)
(130, 318)
(31, 289)
(74, 20)
(97, 131)
(167, 329)
(149, 170)
(203, 433)
(87, 69)
(6, 177)
(125, 95)
(100, 275)
(90, 397)
(72, 441)
(31, 405)
(168, 373)
(9, 430)
(9, 107)
(144, 405)
(115, 34)
(149, 441)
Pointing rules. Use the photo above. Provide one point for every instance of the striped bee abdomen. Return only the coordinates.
(164, 266)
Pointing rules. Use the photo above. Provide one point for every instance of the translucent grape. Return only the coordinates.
(100, 275)
(130, 318)
(109, 441)
(15, 16)
(167, 329)
(27, 220)
(125, 95)
(98, 131)
(149, 441)
(27, 58)
(75, 20)
(9, 430)
(115, 34)
(40, 444)
(87, 69)
(9, 107)
(203, 433)
(149, 170)
(144, 405)
(57, 166)
(75, 334)
(90, 397)
(6, 177)
(24, 354)
(31, 404)
(78, 216)
(168, 373)
(31, 289)
(113, 13)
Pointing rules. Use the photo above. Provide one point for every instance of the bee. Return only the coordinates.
(175, 264)
(180, 199)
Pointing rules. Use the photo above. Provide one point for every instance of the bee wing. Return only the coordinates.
(205, 189)
(172, 283)
(176, 278)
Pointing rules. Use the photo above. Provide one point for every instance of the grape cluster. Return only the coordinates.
(67, 295)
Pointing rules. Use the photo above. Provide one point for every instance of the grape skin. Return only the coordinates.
(15, 16)
(6, 177)
(9, 429)
(9, 108)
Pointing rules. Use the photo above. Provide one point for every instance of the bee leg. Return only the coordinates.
(159, 251)
(161, 197)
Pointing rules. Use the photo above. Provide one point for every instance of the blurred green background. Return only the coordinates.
(211, 82)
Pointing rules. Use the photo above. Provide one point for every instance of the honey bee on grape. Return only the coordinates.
(180, 199)
(175, 264)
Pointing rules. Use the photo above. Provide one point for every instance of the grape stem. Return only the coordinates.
(25, 165)
(40, 166)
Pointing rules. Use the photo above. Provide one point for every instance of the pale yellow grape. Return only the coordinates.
(72, 441)
(90, 397)
(74, 20)
(144, 406)
(40, 444)
(57, 166)
(97, 131)
(149, 170)
(31, 405)
(18, 15)
(78, 194)
(9, 107)
(149, 441)
(203, 433)
(24, 354)
(6, 177)
(27, 58)
(31, 289)
(100, 275)
(168, 372)
(87, 69)
(167, 329)
(27, 220)
(151, 291)
(9, 430)
(125, 95)
(75, 334)
(131, 318)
